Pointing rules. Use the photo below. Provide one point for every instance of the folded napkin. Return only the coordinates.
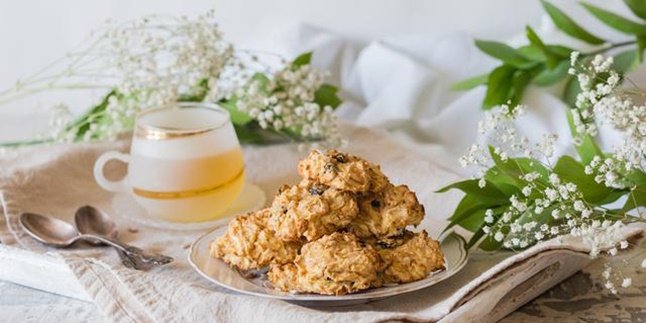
(56, 180)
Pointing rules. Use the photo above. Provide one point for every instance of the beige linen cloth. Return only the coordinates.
(55, 180)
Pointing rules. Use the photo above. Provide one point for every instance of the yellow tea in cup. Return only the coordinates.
(185, 163)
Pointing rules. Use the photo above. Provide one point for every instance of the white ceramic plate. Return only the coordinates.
(251, 198)
(218, 272)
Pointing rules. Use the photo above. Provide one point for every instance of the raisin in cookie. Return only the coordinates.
(412, 258)
(250, 244)
(342, 171)
(336, 264)
(311, 211)
(387, 213)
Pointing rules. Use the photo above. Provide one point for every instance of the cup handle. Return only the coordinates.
(112, 186)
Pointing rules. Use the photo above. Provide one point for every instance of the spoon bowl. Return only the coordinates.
(90, 220)
(49, 230)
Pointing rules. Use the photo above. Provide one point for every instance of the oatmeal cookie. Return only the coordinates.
(387, 213)
(336, 264)
(311, 210)
(342, 171)
(250, 244)
(413, 258)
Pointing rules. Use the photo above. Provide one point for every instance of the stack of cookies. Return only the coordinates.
(340, 230)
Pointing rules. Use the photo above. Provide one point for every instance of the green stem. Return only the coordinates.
(11, 144)
(611, 47)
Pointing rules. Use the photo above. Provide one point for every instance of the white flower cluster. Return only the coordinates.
(155, 62)
(560, 201)
(286, 103)
(603, 100)
(149, 63)
(545, 206)
(499, 130)
(607, 171)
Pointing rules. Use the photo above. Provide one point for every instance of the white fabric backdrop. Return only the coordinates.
(396, 61)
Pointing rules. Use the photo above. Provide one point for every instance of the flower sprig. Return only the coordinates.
(292, 102)
(157, 61)
(523, 194)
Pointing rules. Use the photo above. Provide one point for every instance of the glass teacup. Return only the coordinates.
(185, 163)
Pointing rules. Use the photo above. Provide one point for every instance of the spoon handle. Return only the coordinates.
(112, 242)
(131, 251)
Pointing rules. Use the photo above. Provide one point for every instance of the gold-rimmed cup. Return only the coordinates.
(185, 163)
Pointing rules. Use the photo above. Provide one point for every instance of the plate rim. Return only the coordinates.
(319, 298)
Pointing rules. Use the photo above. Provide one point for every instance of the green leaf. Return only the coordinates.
(506, 183)
(641, 45)
(474, 221)
(550, 59)
(489, 244)
(504, 53)
(536, 54)
(625, 61)
(572, 89)
(514, 168)
(636, 198)
(475, 238)
(616, 21)
(569, 26)
(636, 176)
(326, 95)
(519, 83)
(302, 59)
(467, 206)
(470, 83)
(500, 85)
(487, 194)
(638, 7)
(532, 52)
(237, 117)
(550, 76)
(562, 51)
(83, 122)
(247, 135)
(570, 170)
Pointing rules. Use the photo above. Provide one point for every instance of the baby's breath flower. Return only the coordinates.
(489, 216)
(527, 190)
(286, 102)
(482, 183)
(574, 56)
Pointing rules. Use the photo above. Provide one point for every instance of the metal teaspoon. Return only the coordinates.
(107, 228)
(58, 233)
(90, 220)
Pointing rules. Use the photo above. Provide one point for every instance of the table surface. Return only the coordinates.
(581, 298)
